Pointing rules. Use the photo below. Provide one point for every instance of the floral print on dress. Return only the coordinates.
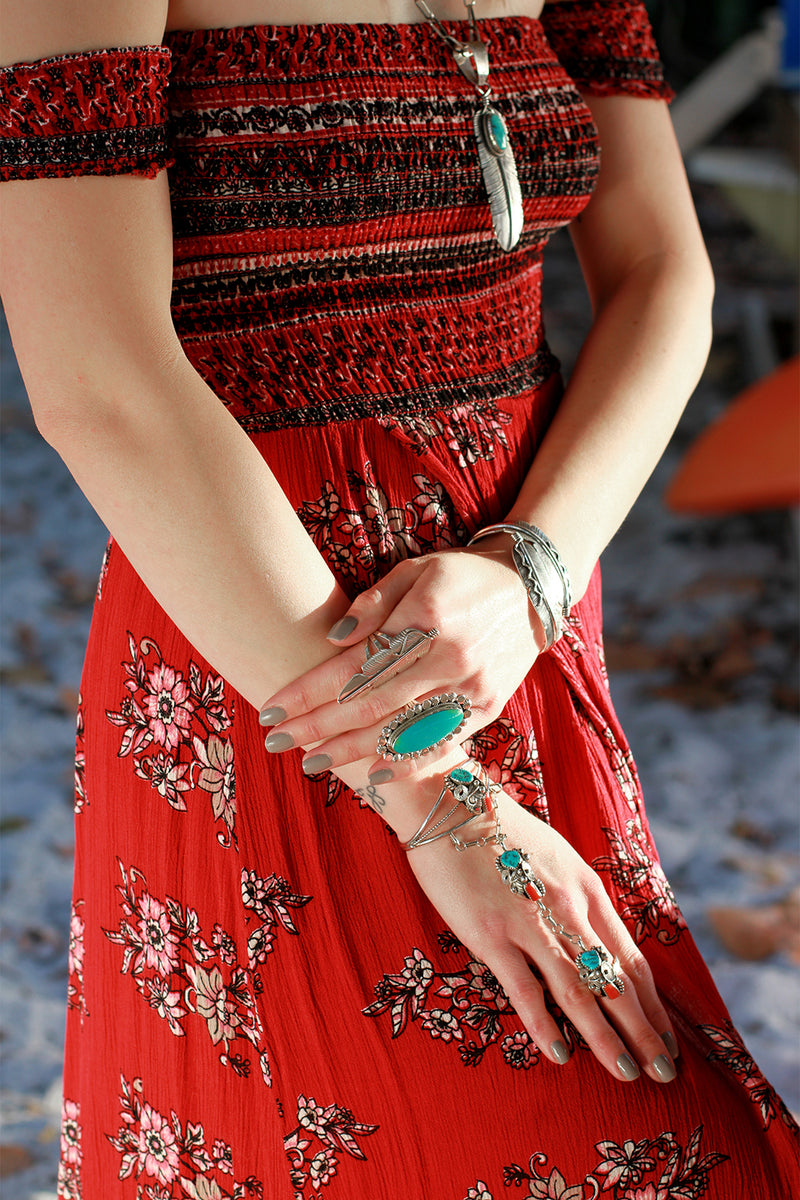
(362, 543)
(172, 1157)
(512, 760)
(646, 899)
(473, 432)
(473, 1013)
(80, 759)
(172, 726)
(732, 1053)
(75, 996)
(179, 973)
(71, 1158)
(676, 1173)
(314, 1145)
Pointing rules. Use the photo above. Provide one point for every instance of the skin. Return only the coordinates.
(87, 266)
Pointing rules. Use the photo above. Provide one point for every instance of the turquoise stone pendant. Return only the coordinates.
(424, 725)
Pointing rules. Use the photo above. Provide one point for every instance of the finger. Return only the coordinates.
(611, 929)
(373, 607)
(525, 994)
(373, 708)
(358, 744)
(321, 684)
(617, 1031)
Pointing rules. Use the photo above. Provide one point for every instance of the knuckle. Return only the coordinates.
(577, 996)
(637, 968)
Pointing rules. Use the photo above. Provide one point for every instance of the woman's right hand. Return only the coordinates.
(506, 932)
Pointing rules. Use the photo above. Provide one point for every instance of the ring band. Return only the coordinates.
(424, 725)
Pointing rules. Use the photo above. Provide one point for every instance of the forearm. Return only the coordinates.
(638, 367)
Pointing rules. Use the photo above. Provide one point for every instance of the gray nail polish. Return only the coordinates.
(271, 716)
(672, 1046)
(317, 763)
(664, 1069)
(382, 776)
(627, 1067)
(275, 742)
(559, 1051)
(342, 628)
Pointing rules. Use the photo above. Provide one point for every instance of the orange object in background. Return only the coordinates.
(749, 458)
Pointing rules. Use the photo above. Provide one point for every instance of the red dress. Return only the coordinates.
(262, 1003)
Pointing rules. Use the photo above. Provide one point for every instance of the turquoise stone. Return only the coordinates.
(589, 959)
(460, 775)
(510, 859)
(498, 130)
(427, 730)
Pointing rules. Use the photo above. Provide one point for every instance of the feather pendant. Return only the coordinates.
(499, 175)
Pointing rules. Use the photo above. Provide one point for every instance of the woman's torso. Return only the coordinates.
(214, 14)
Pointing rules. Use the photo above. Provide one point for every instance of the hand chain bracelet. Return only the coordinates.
(598, 969)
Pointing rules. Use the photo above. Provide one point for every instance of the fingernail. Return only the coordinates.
(672, 1046)
(627, 1067)
(317, 763)
(343, 628)
(382, 776)
(559, 1051)
(271, 716)
(664, 1069)
(275, 742)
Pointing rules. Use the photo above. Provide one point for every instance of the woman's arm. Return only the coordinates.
(86, 282)
(651, 288)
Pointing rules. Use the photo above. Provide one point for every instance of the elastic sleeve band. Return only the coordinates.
(606, 46)
(103, 112)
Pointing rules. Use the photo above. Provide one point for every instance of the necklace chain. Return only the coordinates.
(472, 57)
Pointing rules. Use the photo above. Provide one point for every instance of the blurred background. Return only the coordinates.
(701, 602)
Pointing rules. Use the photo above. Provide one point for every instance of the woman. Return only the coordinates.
(307, 366)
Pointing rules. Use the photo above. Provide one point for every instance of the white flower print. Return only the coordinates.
(157, 1153)
(76, 927)
(322, 1168)
(479, 1192)
(441, 1024)
(214, 1002)
(418, 971)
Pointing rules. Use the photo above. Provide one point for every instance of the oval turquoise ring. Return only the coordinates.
(424, 725)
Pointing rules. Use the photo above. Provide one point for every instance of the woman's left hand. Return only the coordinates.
(488, 639)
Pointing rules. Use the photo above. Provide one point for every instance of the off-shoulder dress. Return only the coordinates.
(261, 1001)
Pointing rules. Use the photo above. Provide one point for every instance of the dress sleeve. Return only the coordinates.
(103, 112)
(606, 46)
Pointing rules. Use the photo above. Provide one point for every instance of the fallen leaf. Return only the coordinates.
(753, 934)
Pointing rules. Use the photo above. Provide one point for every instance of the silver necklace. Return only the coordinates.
(491, 133)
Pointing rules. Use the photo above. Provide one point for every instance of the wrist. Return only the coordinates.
(403, 803)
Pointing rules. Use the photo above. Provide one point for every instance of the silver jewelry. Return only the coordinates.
(385, 656)
(495, 155)
(469, 787)
(543, 574)
(595, 966)
(424, 725)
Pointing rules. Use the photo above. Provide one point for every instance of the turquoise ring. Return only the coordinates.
(424, 725)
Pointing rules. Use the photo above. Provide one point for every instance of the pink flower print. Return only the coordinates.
(222, 1156)
(418, 971)
(159, 942)
(214, 1004)
(485, 984)
(311, 1116)
(322, 1168)
(166, 776)
(217, 775)
(518, 1050)
(166, 1003)
(441, 1024)
(645, 1193)
(168, 706)
(76, 927)
(156, 1151)
(259, 945)
(226, 947)
(70, 1133)
(479, 1192)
